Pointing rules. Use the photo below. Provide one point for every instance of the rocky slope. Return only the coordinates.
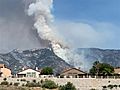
(40, 58)
(103, 55)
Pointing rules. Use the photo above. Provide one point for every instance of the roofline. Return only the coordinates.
(74, 68)
(27, 69)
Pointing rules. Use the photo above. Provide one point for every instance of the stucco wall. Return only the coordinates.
(5, 72)
(80, 83)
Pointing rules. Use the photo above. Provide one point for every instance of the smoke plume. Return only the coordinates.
(41, 11)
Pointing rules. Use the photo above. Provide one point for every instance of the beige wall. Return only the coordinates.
(5, 72)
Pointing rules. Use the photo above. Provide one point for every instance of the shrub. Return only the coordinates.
(23, 80)
(16, 84)
(119, 85)
(41, 80)
(10, 83)
(62, 76)
(115, 86)
(4, 83)
(92, 89)
(32, 84)
(49, 84)
(110, 86)
(104, 87)
(68, 86)
(23, 84)
(4, 79)
(34, 81)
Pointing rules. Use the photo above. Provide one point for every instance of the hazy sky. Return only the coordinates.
(83, 23)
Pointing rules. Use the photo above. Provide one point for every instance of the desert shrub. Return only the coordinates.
(41, 80)
(4, 79)
(10, 83)
(23, 80)
(49, 84)
(92, 89)
(16, 84)
(68, 86)
(4, 83)
(115, 86)
(110, 86)
(119, 85)
(23, 84)
(32, 84)
(22, 88)
(34, 81)
(104, 87)
(61, 76)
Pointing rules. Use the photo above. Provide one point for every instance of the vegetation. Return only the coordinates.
(33, 84)
(49, 84)
(68, 86)
(16, 84)
(101, 69)
(4, 83)
(47, 71)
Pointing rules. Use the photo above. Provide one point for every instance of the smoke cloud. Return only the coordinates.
(41, 10)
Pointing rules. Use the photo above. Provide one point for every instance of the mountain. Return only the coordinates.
(16, 60)
(109, 56)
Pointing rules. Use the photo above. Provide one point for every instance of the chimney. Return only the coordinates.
(23, 68)
(36, 68)
(79, 68)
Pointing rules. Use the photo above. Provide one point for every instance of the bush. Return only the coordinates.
(10, 83)
(34, 81)
(104, 87)
(16, 84)
(32, 84)
(61, 76)
(4, 83)
(49, 84)
(23, 80)
(115, 86)
(5, 79)
(68, 86)
(110, 86)
(23, 84)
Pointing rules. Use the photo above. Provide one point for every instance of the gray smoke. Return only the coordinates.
(41, 11)
(16, 28)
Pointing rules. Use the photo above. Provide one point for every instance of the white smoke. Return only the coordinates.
(41, 10)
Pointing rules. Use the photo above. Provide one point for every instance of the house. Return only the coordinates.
(117, 70)
(29, 73)
(4, 72)
(73, 72)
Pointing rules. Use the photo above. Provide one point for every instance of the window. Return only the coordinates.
(31, 74)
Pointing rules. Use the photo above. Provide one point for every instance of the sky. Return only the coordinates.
(82, 23)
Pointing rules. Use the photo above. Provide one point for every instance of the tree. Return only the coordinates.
(68, 86)
(49, 84)
(47, 71)
(101, 68)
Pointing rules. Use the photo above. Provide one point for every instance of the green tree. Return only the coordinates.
(47, 71)
(101, 68)
(68, 86)
(49, 84)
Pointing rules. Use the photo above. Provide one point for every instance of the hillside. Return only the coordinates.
(109, 56)
(40, 58)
